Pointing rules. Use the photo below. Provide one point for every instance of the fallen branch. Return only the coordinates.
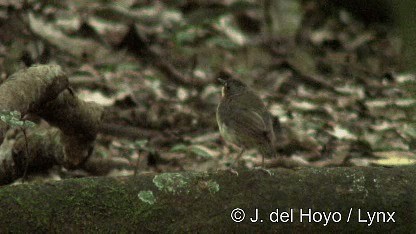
(200, 201)
(28, 89)
(139, 47)
(134, 133)
(78, 123)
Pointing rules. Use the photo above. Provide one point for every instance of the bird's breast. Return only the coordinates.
(227, 133)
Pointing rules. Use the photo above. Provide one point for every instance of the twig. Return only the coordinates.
(139, 47)
(136, 133)
(27, 154)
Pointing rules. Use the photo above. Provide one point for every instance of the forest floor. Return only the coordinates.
(335, 83)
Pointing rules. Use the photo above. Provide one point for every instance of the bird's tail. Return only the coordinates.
(268, 151)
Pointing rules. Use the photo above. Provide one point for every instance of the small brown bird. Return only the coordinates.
(244, 120)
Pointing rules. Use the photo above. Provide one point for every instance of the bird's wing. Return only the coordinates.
(248, 116)
(253, 102)
(246, 122)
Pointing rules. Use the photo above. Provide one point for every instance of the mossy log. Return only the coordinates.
(28, 89)
(201, 201)
(43, 90)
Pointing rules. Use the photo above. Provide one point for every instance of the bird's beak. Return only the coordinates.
(221, 80)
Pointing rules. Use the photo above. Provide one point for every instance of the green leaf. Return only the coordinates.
(140, 144)
(223, 42)
(205, 15)
(28, 124)
(180, 148)
(14, 119)
(6, 115)
(187, 35)
(200, 151)
(211, 14)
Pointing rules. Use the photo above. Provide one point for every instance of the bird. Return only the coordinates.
(244, 120)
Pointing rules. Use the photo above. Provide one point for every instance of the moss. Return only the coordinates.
(172, 183)
(147, 197)
(105, 204)
(213, 186)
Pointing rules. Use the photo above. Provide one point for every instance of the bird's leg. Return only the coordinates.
(262, 168)
(238, 157)
(230, 169)
(240, 154)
